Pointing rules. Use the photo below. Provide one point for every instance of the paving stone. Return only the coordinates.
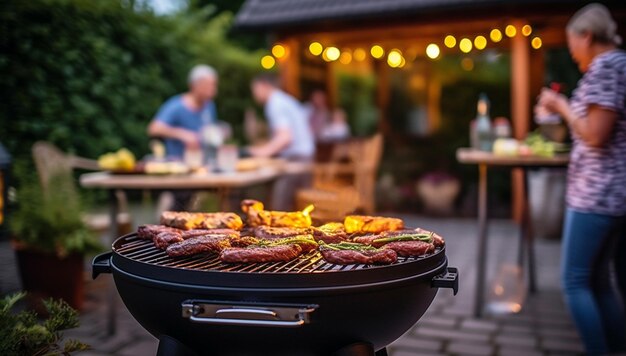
(517, 329)
(452, 334)
(516, 340)
(465, 348)
(412, 353)
(559, 333)
(562, 346)
(479, 325)
(418, 344)
(517, 351)
(438, 321)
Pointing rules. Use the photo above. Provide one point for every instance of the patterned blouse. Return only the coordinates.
(597, 176)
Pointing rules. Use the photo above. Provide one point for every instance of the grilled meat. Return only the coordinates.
(349, 257)
(375, 224)
(166, 238)
(438, 241)
(367, 240)
(149, 232)
(281, 253)
(410, 248)
(268, 232)
(306, 242)
(257, 216)
(243, 241)
(187, 221)
(330, 233)
(199, 244)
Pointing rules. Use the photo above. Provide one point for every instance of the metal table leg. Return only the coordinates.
(482, 240)
(112, 295)
(528, 237)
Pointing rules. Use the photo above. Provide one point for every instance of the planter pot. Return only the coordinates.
(46, 275)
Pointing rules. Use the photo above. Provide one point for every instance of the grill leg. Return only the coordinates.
(171, 347)
(382, 352)
(358, 349)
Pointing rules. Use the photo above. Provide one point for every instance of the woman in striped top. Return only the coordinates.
(596, 187)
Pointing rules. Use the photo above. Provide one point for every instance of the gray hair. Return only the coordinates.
(201, 71)
(595, 19)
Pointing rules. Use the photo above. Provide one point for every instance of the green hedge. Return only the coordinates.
(89, 75)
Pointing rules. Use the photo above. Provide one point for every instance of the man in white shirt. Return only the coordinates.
(291, 136)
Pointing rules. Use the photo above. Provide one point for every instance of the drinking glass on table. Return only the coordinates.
(227, 156)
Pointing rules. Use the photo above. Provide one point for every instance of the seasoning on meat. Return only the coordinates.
(166, 238)
(281, 253)
(149, 232)
(199, 244)
(333, 232)
(306, 242)
(258, 216)
(187, 221)
(410, 248)
(348, 253)
(406, 243)
(375, 224)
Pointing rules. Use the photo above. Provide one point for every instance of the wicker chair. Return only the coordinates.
(51, 161)
(346, 184)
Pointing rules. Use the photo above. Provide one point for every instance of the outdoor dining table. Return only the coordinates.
(484, 160)
(268, 171)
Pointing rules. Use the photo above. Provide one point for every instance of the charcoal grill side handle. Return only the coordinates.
(101, 264)
(449, 279)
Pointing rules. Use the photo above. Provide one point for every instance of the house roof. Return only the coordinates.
(271, 14)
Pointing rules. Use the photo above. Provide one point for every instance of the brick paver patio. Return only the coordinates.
(543, 327)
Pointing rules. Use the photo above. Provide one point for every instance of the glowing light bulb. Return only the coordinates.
(480, 42)
(377, 51)
(345, 57)
(331, 54)
(316, 48)
(268, 62)
(449, 41)
(279, 51)
(394, 59)
(432, 51)
(536, 43)
(465, 45)
(495, 35)
(527, 30)
(510, 30)
(359, 54)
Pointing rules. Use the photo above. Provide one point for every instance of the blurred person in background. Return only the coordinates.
(180, 121)
(337, 129)
(327, 124)
(291, 136)
(181, 118)
(596, 188)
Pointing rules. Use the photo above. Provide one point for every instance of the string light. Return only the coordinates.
(345, 57)
(316, 48)
(377, 51)
(449, 41)
(480, 42)
(279, 51)
(510, 31)
(432, 51)
(268, 62)
(394, 58)
(331, 54)
(359, 54)
(402, 63)
(527, 30)
(495, 35)
(536, 43)
(465, 45)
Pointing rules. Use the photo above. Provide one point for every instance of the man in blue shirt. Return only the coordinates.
(181, 118)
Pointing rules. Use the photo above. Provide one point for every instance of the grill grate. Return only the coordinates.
(144, 251)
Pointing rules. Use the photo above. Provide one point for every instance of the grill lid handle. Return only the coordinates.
(450, 279)
(247, 314)
(101, 264)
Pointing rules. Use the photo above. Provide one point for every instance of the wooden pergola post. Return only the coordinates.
(289, 69)
(520, 107)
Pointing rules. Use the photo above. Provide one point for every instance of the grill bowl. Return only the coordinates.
(373, 304)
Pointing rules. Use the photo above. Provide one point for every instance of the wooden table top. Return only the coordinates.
(265, 173)
(473, 156)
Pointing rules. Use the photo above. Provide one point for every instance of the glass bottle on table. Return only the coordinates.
(484, 129)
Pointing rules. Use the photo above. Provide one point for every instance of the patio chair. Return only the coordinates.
(50, 161)
(346, 184)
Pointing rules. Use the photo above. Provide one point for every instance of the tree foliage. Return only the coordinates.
(89, 75)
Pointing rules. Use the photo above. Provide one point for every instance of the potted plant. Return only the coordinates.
(23, 334)
(51, 240)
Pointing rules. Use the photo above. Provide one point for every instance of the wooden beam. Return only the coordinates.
(289, 67)
(520, 108)
(383, 92)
